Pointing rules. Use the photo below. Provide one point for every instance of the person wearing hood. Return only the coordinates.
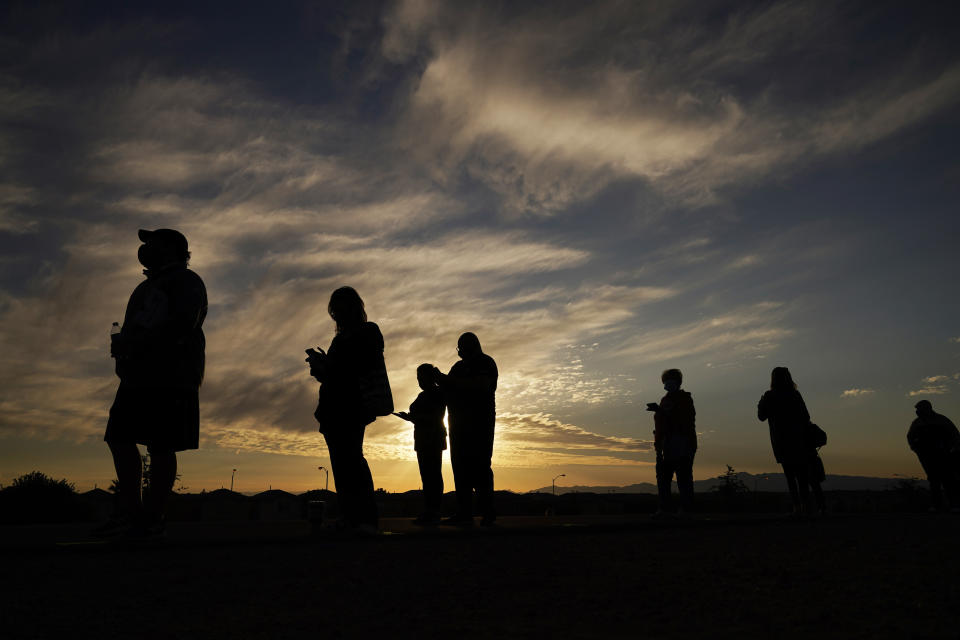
(159, 353)
(675, 441)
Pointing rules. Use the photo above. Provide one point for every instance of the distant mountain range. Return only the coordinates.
(754, 482)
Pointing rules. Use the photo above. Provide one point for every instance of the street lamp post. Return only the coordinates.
(326, 486)
(231, 479)
(554, 483)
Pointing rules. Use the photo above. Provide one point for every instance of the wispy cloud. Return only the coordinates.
(753, 330)
(856, 393)
(525, 436)
(507, 98)
(519, 437)
(935, 385)
(936, 390)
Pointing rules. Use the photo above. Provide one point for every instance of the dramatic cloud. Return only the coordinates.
(549, 116)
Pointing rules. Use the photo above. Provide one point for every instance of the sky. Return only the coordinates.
(599, 191)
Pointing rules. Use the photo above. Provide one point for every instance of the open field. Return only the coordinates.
(581, 577)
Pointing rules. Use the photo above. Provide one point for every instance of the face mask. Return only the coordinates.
(147, 255)
(671, 385)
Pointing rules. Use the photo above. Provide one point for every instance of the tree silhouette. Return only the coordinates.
(730, 483)
(37, 481)
(36, 497)
(730, 490)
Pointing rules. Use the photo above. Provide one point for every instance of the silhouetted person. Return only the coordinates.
(675, 441)
(470, 390)
(786, 414)
(354, 381)
(429, 441)
(936, 441)
(160, 362)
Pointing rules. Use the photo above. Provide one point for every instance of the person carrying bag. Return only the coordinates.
(354, 391)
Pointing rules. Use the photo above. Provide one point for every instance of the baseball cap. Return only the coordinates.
(169, 237)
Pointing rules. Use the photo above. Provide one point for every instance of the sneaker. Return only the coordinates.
(112, 527)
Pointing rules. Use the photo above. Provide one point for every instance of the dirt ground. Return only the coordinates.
(890, 576)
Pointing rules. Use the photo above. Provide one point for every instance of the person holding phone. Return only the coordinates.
(675, 441)
(350, 373)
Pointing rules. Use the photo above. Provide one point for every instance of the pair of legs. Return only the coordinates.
(471, 453)
(167, 420)
(682, 467)
(942, 477)
(800, 482)
(129, 467)
(430, 461)
(351, 474)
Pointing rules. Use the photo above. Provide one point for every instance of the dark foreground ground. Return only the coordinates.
(889, 576)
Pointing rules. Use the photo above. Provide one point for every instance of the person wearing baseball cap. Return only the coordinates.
(936, 441)
(159, 355)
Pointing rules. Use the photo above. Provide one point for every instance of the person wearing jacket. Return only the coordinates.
(936, 441)
(429, 441)
(470, 390)
(160, 361)
(783, 409)
(348, 373)
(675, 441)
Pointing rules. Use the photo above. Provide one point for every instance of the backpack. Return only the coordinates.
(375, 390)
(815, 436)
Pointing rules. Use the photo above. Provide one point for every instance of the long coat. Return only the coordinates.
(787, 415)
